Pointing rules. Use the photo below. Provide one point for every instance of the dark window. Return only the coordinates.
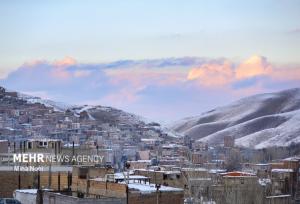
(83, 173)
(242, 181)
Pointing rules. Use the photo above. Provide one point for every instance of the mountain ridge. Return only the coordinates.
(255, 121)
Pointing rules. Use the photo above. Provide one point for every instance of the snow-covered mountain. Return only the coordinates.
(259, 121)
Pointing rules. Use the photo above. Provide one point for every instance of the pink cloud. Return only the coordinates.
(289, 74)
(33, 63)
(212, 74)
(139, 77)
(218, 75)
(135, 80)
(66, 61)
(59, 70)
(60, 73)
(254, 66)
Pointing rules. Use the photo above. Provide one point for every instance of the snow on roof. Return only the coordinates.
(140, 161)
(71, 145)
(194, 169)
(150, 188)
(283, 170)
(171, 146)
(30, 191)
(262, 164)
(9, 128)
(159, 171)
(131, 176)
(279, 196)
(44, 140)
(149, 139)
(215, 171)
(295, 158)
(264, 181)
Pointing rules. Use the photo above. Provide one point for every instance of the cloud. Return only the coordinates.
(82, 73)
(60, 73)
(288, 74)
(158, 88)
(141, 76)
(212, 74)
(252, 67)
(66, 61)
(63, 69)
(59, 70)
(250, 71)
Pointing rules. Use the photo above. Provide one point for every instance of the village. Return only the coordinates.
(139, 162)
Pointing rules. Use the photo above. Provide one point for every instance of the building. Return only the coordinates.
(229, 141)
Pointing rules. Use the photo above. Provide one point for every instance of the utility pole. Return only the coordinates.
(157, 186)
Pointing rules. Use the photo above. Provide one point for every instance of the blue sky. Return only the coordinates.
(93, 33)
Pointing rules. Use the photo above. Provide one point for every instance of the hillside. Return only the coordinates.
(271, 119)
(23, 116)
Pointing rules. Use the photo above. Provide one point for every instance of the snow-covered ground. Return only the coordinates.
(257, 121)
(58, 106)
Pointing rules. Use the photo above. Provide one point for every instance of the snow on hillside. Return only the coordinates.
(258, 121)
(58, 106)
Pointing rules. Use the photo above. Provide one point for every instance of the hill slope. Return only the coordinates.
(259, 121)
(12, 101)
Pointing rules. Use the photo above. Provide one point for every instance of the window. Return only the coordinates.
(83, 173)
(29, 145)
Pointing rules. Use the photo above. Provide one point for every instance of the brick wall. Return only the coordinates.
(54, 198)
(163, 198)
(9, 181)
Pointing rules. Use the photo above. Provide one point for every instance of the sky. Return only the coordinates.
(163, 60)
